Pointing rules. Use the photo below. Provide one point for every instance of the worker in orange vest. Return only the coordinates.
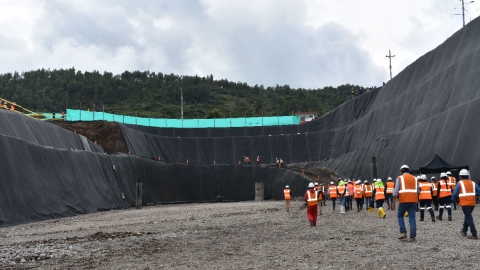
(311, 197)
(466, 190)
(13, 107)
(342, 193)
(245, 160)
(349, 198)
(258, 160)
(389, 192)
(406, 189)
(332, 192)
(281, 162)
(63, 115)
(434, 193)
(319, 190)
(452, 183)
(322, 187)
(358, 194)
(445, 197)
(368, 192)
(379, 195)
(278, 163)
(425, 198)
(286, 193)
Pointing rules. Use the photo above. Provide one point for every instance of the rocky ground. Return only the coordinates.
(244, 235)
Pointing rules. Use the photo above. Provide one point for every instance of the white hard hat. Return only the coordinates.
(404, 167)
(443, 175)
(359, 182)
(379, 180)
(311, 185)
(423, 177)
(449, 173)
(464, 172)
(316, 184)
(349, 181)
(366, 181)
(433, 177)
(389, 178)
(331, 183)
(287, 186)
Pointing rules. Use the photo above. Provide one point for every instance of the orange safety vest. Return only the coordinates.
(319, 193)
(312, 198)
(390, 187)
(368, 191)
(358, 189)
(350, 189)
(452, 182)
(341, 189)
(323, 190)
(407, 192)
(379, 193)
(258, 159)
(333, 191)
(286, 192)
(467, 193)
(425, 191)
(434, 189)
(444, 189)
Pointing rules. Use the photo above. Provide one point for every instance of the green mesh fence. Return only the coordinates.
(79, 115)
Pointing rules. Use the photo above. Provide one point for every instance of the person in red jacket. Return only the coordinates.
(311, 197)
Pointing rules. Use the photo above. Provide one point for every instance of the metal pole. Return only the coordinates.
(390, 56)
(181, 100)
(463, 13)
(374, 162)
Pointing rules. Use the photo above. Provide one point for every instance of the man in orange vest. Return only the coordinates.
(342, 193)
(466, 191)
(434, 193)
(278, 164)
(322, 188)
(389, 192)
(358, 194)
(258, 160)
(445, 196)
(368, 193)
(311, 197)
(379, 194)
(319, 190)
(286, 192)
(332, 192)
(281, 162)
(452, 183)
(425, 198)
(406, 189)
(349, 198)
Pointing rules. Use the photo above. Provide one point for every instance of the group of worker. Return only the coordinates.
(279, 162)
(5, 106)
(409, 190)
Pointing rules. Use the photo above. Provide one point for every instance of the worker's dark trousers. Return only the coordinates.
(454, 203)
(426, 204)
(389, 199)
(379, 203)
(467, 211)
(324, 199)
(367, 201)
(333, 202)
(435, 202)
(359, 203)
(445, 203)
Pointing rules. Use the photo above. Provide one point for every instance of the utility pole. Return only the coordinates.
(181, 100)
(463, 10)
(390, 56)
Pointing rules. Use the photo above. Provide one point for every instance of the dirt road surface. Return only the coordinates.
(244, 235)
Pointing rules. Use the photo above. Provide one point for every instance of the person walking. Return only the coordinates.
(311, 197)
(368, 193)
(342, 194)
(359, 195)
(466, 191)
(445, 197)
(332, 192)
(349, 198)
(389, 192)
(258, 160)
(434, 193)
(379, 194)
(286, 193)
(425, 198)
(406, 189)
(318, 189)
(322, 187)
(452, 183)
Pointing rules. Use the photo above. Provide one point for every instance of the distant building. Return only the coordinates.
(306, 116)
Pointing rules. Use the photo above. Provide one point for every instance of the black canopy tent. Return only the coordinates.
(437, 165)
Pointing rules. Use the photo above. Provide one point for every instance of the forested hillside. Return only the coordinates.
(154, 94)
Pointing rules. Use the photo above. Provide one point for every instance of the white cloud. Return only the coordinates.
(303, 43)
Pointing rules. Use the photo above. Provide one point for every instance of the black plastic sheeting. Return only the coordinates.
(35, 131)
(437, 165)
(41, 183)
(431, 107)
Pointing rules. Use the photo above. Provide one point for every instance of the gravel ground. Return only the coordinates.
(244, 235)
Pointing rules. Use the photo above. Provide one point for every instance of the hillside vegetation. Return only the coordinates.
(155, 94)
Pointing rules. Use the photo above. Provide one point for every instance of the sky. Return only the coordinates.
(302, 43)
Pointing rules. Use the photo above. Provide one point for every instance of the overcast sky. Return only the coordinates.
(302, 43)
